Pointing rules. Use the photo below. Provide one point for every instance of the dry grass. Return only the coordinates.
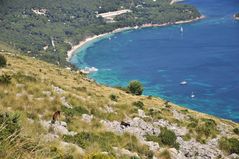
(32, 77)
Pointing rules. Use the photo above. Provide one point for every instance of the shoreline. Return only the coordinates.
(72, 51)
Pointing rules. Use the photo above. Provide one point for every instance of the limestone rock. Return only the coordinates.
(58, 128)
(178, 115)
(138, 127)
(179, 131)
(65, 103)
(47, 93)
(233, 156)
(58, 90)
(108, 109)
(175, 154)
(68, 146)
(141, 113)
(194, 149)
(19, 85)
(87, 118)
(122, 151)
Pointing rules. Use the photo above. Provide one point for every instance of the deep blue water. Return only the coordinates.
(206, 55)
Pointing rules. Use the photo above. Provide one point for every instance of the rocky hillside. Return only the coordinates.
(96, 121)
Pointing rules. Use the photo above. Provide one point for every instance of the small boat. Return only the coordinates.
(181, 29)
(183, 82)
(192, 95)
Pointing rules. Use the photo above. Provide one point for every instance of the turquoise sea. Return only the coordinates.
(205, 54)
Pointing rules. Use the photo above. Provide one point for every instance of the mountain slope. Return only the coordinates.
(97, 121)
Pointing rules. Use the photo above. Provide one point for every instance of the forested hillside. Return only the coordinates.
(47, 29)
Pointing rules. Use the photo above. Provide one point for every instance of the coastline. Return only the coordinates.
(72, 51)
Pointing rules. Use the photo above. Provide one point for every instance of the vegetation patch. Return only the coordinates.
(75, 111)
(155, 114)
(229, 145)
(139, 104)
(114, 97)
(166, 137)
(23, 78)
(206, 129)
(165, 155)
(236, 131)
(12, 144)
(107, 140)
(5, 79)
(3, 61)
(135, 87)
(202, 129)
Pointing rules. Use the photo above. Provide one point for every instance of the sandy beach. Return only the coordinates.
(71, 52)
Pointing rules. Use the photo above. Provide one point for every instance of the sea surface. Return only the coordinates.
(205, 54)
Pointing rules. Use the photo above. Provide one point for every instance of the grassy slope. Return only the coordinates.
(25, 95)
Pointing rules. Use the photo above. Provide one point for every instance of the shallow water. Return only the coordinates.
(205, 54)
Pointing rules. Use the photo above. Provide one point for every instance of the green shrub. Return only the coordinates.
(193, 122)
(78, 110)
(139, 104)
(168, 137)
(114, 97)
(187, 137)
(236, 131)
(135, 87)
(155, 114)
(166, 104)
(3, 61)
(184, 111)
(5, 79)
(11, 125)
(230, 145)
(206, 129)
(12, 144)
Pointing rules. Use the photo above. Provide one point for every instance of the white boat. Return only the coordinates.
(192, 95)
(88, 70)
(181, 29)
(183, 82)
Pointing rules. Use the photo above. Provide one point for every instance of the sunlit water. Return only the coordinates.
(205, 54)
